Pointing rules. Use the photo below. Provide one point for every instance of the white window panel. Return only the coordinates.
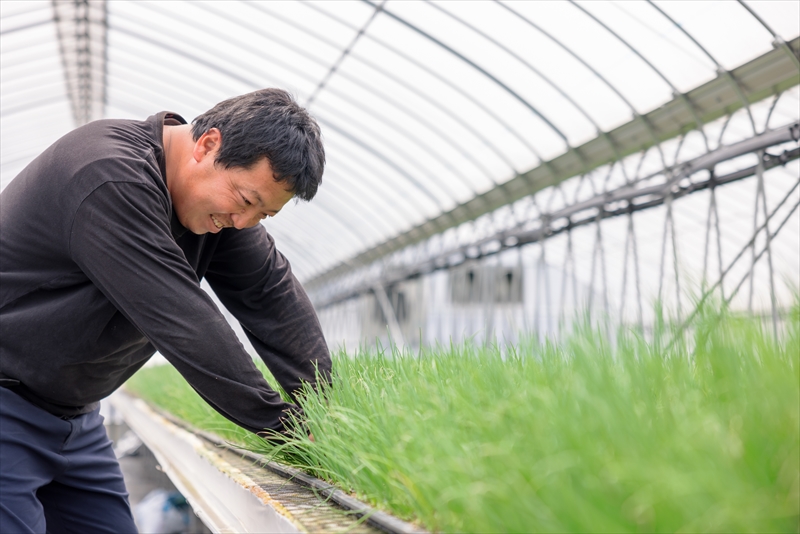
(19, 12)
(311, 14)
(556, 59)
(472, 80)
(725, 29)
(22, 16)
(414, 190)
(35, 130)
(506, 47)
(411, 128)
(451, 113)
(637, 82)
(228, 59)
(401, 135)
(17, 42)
(401, 148)
(403, 107)
(662, 43)
(782, 17)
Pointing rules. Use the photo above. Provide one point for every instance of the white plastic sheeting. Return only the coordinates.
(423, 105)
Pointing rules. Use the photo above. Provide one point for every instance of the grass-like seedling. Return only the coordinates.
(576, 436)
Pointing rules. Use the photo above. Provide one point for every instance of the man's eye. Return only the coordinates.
(247, 201)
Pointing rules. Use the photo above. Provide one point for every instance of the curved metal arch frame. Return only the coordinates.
(351, 170)
(24, 61)
(409, 112)
(597, 74)
(416, 142)
(35, 39)
(48, 86)
(455, 117)
(533, 109)
(121, 88)
(147, 39)
(521, 60)
(6, 17)
(301, 74)
(494, 117)
(744, 100)
(404, 239)
(689, 105)
(631, 241)
(343, 55)
(779, 41)
(28, 106)
(720, 69)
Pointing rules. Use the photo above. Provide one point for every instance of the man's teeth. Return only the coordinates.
(216, 222)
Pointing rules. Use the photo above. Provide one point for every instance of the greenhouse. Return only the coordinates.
(554, 254)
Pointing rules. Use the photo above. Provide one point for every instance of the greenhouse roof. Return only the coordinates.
(428, 109)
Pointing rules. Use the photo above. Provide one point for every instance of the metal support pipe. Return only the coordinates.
(82, 26)
(618, 202)
(766, 75)
(388, 313)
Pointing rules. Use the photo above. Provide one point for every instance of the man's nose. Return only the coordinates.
(243, 220)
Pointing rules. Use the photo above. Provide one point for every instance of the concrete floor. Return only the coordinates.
(143, 474)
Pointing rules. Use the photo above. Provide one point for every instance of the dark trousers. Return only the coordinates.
(58, 475)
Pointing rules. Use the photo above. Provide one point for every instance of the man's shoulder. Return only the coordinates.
(126, 149)
(102, 153)
(110, 150)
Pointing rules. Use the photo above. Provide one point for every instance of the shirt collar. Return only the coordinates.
(167, 118)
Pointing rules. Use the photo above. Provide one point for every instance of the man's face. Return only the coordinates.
(210, 197)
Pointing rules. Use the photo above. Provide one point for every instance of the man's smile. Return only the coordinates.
(217, 222)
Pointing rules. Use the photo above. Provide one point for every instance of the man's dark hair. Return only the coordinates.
(268, 123)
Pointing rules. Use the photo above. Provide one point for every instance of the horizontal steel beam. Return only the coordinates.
(705, 162)
(769, 74)
(614, 203)
(82, 26)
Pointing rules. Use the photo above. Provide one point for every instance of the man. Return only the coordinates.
(104, 239)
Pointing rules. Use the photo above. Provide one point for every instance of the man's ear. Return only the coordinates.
(207, 144)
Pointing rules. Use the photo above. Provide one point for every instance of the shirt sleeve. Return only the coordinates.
(254, 281)
(121, 240)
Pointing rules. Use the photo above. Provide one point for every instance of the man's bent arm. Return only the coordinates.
(255, 282)
(121, 240)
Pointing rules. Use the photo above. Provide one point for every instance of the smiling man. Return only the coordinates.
(104, 239)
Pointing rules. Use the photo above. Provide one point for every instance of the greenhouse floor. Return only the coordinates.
(231, 491)
(143, 475)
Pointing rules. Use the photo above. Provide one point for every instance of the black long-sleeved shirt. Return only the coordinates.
(96, 274)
